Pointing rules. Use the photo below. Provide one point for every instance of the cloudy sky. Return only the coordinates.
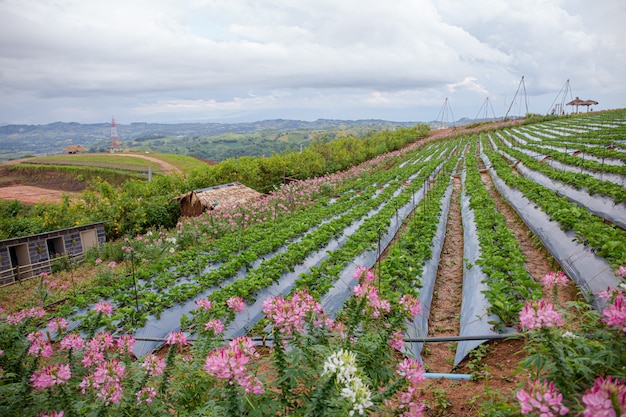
(244, 60)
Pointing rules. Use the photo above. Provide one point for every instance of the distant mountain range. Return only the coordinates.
(216, 141)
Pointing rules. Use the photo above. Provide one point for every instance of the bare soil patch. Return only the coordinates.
(29, 194)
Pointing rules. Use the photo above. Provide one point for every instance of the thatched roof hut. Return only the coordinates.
(74, 149)
(196, 202)
(578, 102)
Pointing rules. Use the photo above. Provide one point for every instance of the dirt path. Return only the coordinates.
(166, 167)
(446, 304)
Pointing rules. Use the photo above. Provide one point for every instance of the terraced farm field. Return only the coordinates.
(475, 227)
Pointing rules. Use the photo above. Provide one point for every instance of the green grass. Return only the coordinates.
(111, 161)
(124, 162)
(185, 163)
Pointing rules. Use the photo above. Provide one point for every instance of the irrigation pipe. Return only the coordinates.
(432, 339)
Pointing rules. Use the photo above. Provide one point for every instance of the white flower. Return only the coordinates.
(172, 250)
(343, 363)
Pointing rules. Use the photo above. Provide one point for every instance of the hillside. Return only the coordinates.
(53, 175)
(212, 141)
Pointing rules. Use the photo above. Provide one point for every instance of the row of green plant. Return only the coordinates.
(501, 258)
(263, 238)
(403, 265)
(363, 238)
(578, 180)
(599, 151)
(568, 138)
(607, 240)
(320, 279)
(572, 160)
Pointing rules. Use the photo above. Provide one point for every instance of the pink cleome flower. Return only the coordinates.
(106, 380)
(72, 341)
(103, 307)
(236, 304)
(230, 362)
(411, 304)
(153, 365)
(607, 398)
(542, 398)
(50, 376)
(204, 304)
(177, 338)
(215, 325)
(538, 314)
(39, 346)
(57, 324)
(397, 342)
(615, 314)
(290, 316)
(552, 279)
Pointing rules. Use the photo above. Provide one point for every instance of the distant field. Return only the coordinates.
(161, 163)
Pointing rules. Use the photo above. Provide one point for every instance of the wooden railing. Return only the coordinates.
(25, 272)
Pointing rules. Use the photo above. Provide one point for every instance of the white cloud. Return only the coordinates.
(178, 60)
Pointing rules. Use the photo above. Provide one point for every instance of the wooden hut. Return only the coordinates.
(196, 202)
(73, 149)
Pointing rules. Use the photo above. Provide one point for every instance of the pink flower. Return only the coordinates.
(215, 325)
(57, 324)
(94, 351)
(112, 264)
(397, 342)
(230, 363)
(53, 413)
(16, 318)
(204, 303)
(412, 370)
(103, 307)
(106, 380)
(375, 305)
(146, 394)
(411, 304)
(98, 261)
(621, 271)
(363, 274)
(177, 338)
(538, 314)
(39, 346)
(49, 376)
(236, 304)
(72, 341)
(290, 316)
(607, 398)
(125, 343)
(615, 314)
(153, 365)
(554, 278)
(542, 398)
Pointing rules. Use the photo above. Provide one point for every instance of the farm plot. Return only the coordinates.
(354, 253)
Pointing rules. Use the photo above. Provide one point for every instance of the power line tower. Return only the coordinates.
(486, 106)
(522, 86)
(115, 139)
(558, 108)
(446, 115)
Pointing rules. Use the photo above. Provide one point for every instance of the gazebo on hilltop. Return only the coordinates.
(578, 102)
